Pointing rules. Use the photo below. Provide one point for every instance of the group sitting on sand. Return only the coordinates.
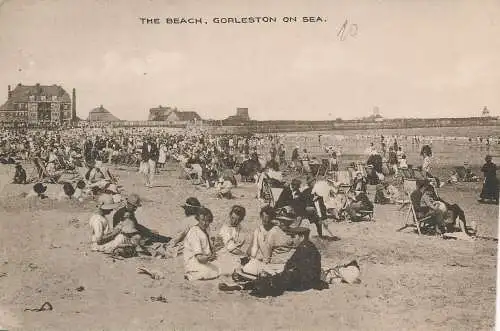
(278, 255)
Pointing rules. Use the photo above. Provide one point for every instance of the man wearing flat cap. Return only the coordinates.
(301, 272)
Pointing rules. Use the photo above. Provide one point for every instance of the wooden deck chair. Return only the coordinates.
(324, 168)
(344, 180)
(42, 173)
(306, 168)
(270, 194)
(360, 166)
(411, 219)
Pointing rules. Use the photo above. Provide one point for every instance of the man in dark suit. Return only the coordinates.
(149, 156)
(300, 273)
(291, 196)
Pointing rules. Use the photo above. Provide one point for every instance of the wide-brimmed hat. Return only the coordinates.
(134, 200)
(191, 202)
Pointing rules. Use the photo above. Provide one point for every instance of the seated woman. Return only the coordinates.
(265, 239)
(20, 175)
(359, 182)
(198, 252)
(359, 202)
(233, 239)
(223, 188)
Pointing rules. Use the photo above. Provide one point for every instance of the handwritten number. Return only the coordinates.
(347, 30)
(341, 33)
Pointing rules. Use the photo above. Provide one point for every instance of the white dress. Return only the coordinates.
(197, 242)
(232, 239)
(162, 157)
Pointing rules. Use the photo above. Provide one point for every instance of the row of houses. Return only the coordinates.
(51, 105)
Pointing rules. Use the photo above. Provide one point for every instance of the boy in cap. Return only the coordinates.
(301, 272)
(98, 223)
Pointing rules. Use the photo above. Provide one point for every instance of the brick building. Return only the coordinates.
(38, 105)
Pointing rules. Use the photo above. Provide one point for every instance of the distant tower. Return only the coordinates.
(242, 113)
(73, 107)
(9, 92)
(485, 112)
(376, 112)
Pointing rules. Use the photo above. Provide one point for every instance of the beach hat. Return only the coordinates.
(191, 202)
(134, 200)
(106, 202)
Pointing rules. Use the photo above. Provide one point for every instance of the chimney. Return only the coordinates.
(9, 92)
(73, 107)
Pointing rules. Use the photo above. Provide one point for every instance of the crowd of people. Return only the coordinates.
(81, 164)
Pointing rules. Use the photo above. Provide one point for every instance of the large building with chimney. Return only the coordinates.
(41, 105)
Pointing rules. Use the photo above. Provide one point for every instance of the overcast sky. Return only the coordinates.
(433, 58)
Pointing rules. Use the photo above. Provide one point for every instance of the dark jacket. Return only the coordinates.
(152, 154)
(301, 272)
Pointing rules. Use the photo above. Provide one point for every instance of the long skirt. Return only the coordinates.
(195, 270)
(490, 189)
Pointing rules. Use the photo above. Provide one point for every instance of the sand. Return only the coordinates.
(409, 282)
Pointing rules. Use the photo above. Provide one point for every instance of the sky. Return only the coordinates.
(435, 58)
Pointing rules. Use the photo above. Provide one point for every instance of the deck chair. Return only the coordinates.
(42, 173)
(344, 180)
(271, 191)
(306, 168)
(324, 168)
(411, 219)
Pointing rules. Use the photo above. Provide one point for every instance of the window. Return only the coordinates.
(32, 98)
(42, 97)
(54, 98)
